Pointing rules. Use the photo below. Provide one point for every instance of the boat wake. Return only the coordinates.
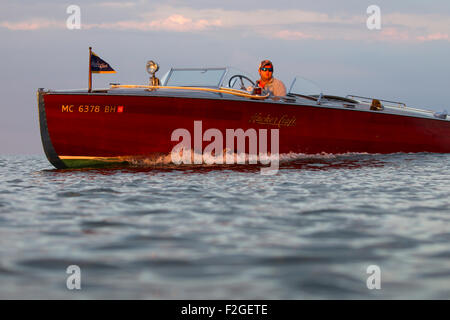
(249, 162)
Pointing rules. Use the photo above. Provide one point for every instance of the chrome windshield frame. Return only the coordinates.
(318, 90)
(219, 83)
(226, 74)
(292, 84)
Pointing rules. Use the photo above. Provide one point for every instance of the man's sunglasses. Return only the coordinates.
(267, 69)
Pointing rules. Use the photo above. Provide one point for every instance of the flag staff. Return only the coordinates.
(90, 72)
(97, 65)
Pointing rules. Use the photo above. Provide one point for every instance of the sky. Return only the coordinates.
(329, 42)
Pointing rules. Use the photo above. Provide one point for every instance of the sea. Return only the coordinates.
(353, 226)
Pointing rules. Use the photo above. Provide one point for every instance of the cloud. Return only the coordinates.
(295, 35)
(175, 22)
(118, 5)
(260, 17)
(284, 24)
(429, 22)
(178, 22)
(34, 24)
(393, 34)
(434, 37)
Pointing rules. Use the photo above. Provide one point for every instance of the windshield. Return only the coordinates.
(209, 77)
(304, 87)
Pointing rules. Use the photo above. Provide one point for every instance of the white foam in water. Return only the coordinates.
(323, 155)
(187, 159)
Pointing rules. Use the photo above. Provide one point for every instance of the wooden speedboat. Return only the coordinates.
(124, 122)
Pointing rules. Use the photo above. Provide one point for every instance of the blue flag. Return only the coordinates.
(98, 65)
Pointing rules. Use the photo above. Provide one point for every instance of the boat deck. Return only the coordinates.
(350, 102)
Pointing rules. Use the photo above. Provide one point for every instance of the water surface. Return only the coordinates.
(309, 232)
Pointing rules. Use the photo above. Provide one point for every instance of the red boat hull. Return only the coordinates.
(110, 126)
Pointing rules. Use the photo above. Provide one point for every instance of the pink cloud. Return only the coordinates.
(30, 25)
(295, 35)
(393, 34)
(176, 22)
(118, 5)
(434, 37)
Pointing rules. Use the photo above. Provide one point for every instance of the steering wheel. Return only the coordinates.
(241, 77)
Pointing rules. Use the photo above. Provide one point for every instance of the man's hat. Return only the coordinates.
(265, 63)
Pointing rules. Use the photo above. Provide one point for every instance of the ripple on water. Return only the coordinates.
(69, 194)
(15, 181)
(148, 212)
(96, 224)
(50, 264)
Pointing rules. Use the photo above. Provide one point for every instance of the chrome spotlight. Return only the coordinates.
(152, 67)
